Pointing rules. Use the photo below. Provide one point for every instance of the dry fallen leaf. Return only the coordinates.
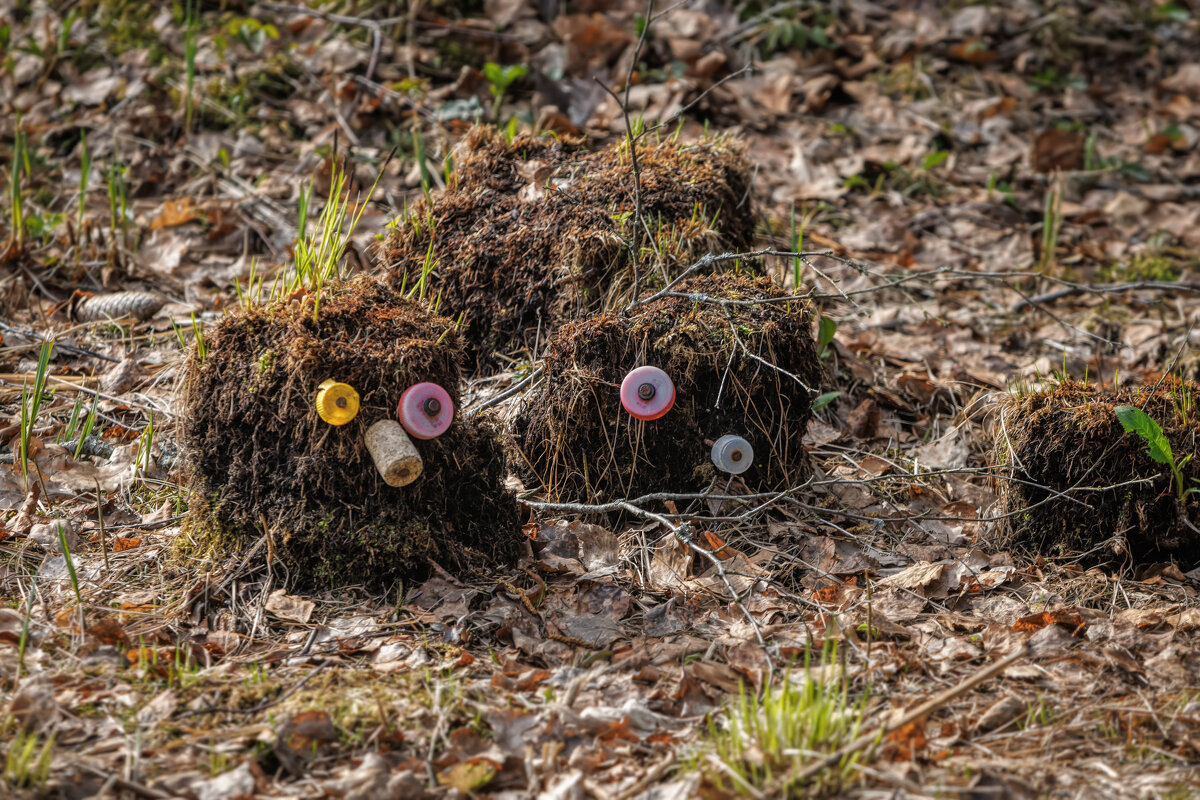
(290, 607)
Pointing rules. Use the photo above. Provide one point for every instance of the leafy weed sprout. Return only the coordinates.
(1158, 447)
(499, 79)
(767, 738)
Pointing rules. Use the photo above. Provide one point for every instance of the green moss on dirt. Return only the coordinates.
(573, 436)
(1079, 487)
(258, 456)
(534, 233)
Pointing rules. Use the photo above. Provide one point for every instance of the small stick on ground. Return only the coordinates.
(681, 532)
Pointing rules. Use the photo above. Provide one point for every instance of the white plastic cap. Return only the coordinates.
(732, 454)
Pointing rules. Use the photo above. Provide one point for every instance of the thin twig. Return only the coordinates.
(375, 26)
(264, 705)
(66, 348)
(682, 532)
(500, 398)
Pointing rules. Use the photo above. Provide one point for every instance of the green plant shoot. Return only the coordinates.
(1134, 420)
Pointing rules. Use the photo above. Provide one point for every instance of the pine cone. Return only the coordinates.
(119, 305)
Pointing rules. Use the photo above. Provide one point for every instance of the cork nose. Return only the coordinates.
(395, 456)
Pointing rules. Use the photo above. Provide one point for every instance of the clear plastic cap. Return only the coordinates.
(732, 454)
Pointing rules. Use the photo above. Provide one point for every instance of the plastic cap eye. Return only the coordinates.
(425, 410)
(732, 454)
(337, 403)
(647, 393)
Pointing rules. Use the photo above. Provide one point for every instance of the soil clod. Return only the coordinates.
(259, 454)
(536, 232)
(1080, 487)
(750, 370)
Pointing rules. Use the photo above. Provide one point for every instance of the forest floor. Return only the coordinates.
(1008, 196)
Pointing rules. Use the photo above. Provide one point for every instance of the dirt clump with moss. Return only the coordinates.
(536, 232)
(1077, 486)
(259, 457)
(748, 368)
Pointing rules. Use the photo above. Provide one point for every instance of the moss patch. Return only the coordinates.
(1118, 503)
(257, 452)
(534, 233)
(573, 436)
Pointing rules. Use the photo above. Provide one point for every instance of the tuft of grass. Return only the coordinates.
(31, 404)
(765, 739)
(85, 174)
(189, 54)
(1183, 398)
(23, 640)
(27, 763)
(252, 294)
(198, 335)
(88, 424)
(1051, 227)
(118, 201)
(145, 445)
(318, 254)
(20, 163)
(428, 266)
(68, 433)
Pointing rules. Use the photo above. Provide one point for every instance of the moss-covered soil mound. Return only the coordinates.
(259, 457)
(1078, 486)
(536, 232)
(747, 369)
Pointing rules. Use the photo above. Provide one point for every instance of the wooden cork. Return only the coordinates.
(395, 456)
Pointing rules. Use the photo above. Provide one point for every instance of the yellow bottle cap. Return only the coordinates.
(337, 403)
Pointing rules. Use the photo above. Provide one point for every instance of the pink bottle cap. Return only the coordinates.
(647, 393)
(425, 410)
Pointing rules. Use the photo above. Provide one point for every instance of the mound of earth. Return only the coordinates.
(260, 458)
(740, 363)
(1078, 486)
(538, 231)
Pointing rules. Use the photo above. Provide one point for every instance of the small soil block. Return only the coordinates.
(261, 456)
(534, 233)
(1078, 486)
(747, 368)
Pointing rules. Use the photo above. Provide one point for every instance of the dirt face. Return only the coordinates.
(573, 436)
(534, 233)
(1083, 488)
(259, 455)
